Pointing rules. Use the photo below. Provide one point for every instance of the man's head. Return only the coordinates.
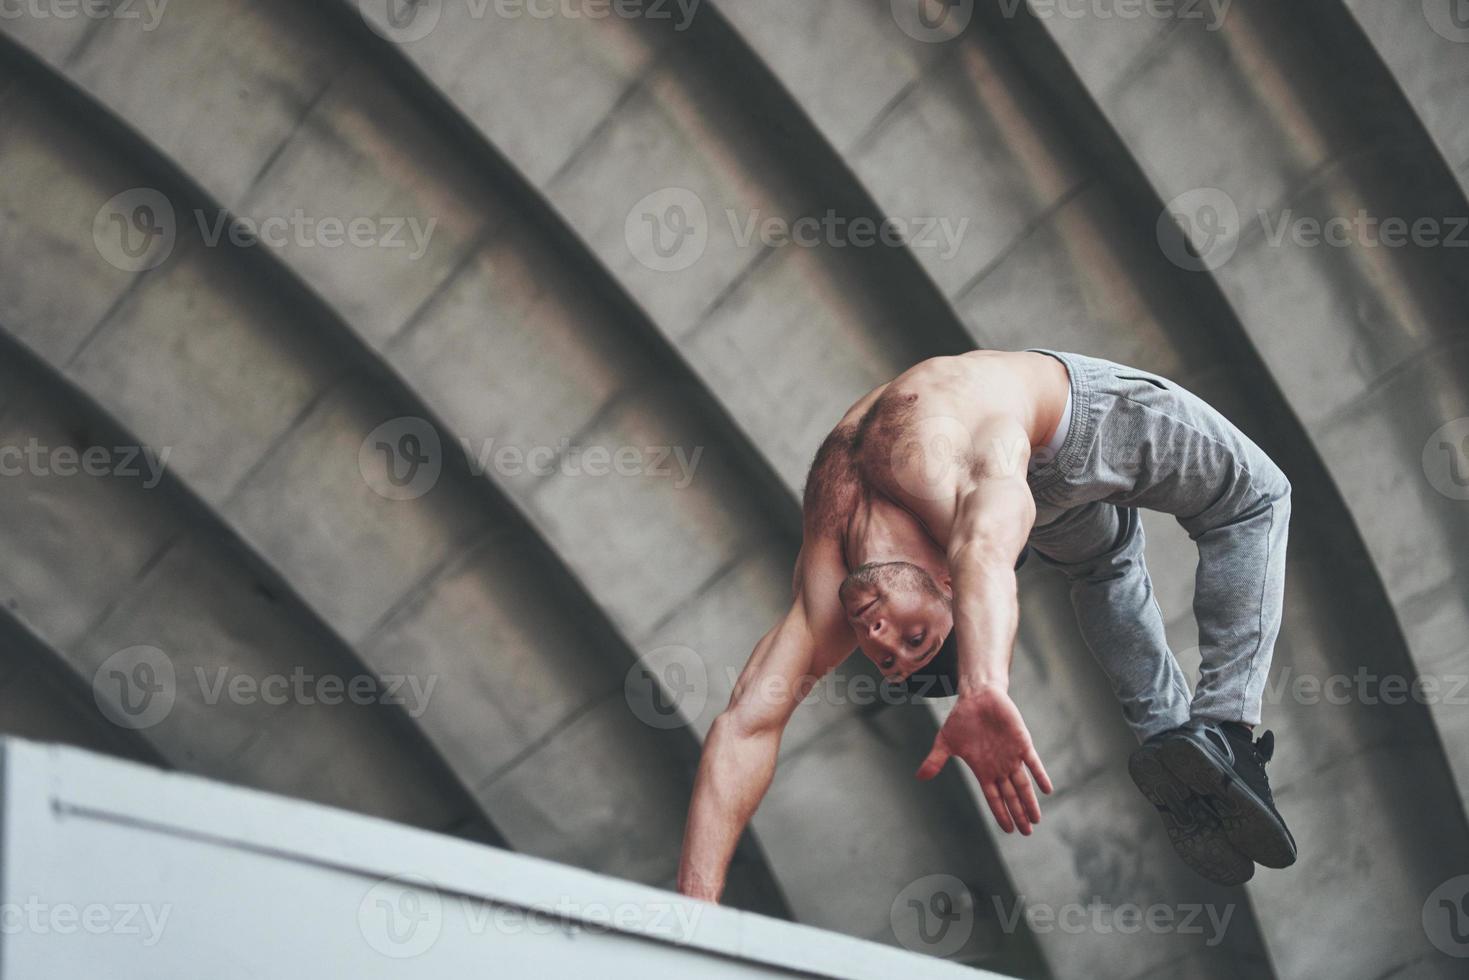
(900, 615)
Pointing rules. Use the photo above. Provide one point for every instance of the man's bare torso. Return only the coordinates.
(879, 482)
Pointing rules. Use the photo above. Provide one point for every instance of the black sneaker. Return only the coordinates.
(1222, 764)
(1193, 827)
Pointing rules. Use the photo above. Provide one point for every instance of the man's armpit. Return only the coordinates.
(1002, 452)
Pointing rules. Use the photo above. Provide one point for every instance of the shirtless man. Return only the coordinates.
(917, 508)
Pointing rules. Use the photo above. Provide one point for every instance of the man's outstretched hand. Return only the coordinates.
(985, 730)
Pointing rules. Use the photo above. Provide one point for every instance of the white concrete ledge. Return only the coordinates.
(114, 869)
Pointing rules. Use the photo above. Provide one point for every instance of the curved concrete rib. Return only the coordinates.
(182, 633)
(299, 485)
(727, 163)
(1304, 122)
(1426, 47)
(43, 697)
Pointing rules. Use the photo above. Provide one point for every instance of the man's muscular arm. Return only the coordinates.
(743, 744)
(994, 513)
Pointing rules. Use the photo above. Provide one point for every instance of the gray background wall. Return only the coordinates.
(382, 458)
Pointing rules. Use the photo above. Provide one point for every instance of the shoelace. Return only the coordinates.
(1265, 746)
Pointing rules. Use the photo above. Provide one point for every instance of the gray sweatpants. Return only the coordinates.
(1141, 441)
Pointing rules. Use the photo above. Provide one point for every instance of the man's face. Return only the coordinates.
(899, 626)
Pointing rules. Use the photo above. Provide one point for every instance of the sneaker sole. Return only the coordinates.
(1247, 821)
(1193, 829)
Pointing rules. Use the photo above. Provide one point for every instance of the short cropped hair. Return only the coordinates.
(883, 577)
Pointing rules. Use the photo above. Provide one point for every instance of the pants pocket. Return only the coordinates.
(1145, 379)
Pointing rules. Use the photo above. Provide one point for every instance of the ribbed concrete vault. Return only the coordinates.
(87, 606)
(462, 546)
(43, 697)
(538, 314)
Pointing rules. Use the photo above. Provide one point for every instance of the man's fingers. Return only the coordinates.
(1038, 771)
(935, 761)
(997, 807)
(1012, 802)
(1021, 782)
